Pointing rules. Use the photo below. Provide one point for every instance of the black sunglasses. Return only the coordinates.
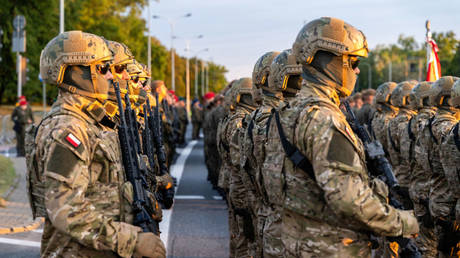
(120, 68)
(135, 79)
(103, 68)
(354, 62)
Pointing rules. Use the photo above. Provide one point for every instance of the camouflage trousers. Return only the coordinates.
(304, 237)
(212, 163)
(272, 244)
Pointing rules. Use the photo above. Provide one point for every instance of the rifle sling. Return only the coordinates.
(292, 152)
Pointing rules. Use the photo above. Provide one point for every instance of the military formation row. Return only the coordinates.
(300, 180)
(98, 162)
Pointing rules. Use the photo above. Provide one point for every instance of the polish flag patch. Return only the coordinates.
(73, 140)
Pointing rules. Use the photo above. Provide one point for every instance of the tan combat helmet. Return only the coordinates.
(334, 36)
(440, 91)
(244, 94)
(285, 73)
(74, 48)
(262, 69)
(383, 93)
(419, 96)
(399, 96)
(455, 95)
(122, 54)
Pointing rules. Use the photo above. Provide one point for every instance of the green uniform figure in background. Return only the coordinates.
(197, 119)
(22, 116)
(76, 161)
(328, 208)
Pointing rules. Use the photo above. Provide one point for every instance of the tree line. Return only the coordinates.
(406, 60)
(118, 20)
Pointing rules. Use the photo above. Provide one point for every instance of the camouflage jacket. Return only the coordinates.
(419, 179)
(340, 199)
(450, 159)
(396, 146)
(441, 199)
(379, 124)
(86, 195)
(224, 151)
(238, 194)
(253, 147)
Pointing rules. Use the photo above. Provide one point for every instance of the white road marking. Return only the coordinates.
(217, 197)
(176, 171)
(11, 241)
(189, 197)
(38, 230)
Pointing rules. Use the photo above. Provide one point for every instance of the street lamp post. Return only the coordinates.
(202, 78)
(187, 75)
(172, 23)
(196, 70)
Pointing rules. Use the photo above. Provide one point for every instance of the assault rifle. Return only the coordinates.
(153, 121)
(135, 168)
(379, 166)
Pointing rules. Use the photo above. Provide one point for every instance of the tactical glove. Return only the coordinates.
(149, 245)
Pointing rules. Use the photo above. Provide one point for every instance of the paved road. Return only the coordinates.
(195, 227)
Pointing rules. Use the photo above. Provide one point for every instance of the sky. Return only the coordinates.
(238, 32)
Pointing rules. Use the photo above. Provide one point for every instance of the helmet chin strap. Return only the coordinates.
(345, 65)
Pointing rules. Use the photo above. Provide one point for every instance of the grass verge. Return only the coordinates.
(7, 174)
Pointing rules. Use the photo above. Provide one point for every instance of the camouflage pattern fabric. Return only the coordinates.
(182, 113)
(329, 215)
(238, 196)
(379, 123)
(419, 181)
(268, 244)
(80, 163)
(441, 198)
(396, 147)
(212, 154)
(450, 162)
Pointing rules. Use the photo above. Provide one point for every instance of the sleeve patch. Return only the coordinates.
(62, 161)
(70, 138)
(341, 150)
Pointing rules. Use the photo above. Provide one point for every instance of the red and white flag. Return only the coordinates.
(433, 71)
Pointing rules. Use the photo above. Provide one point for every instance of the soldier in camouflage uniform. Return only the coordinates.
(384, 113)
(419, 182)
(396, 127)
(450, 159)
(182, 114)
(331, 206)
(197, 119)
(441, 199)
(243, 103)
(223, 146)
(90, 183)
(366, 112)
(211, 122)
(270, 99)
(283, 83)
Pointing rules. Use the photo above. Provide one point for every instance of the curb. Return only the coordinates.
(30, 227)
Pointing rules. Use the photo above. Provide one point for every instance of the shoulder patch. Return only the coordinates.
(341, 149)
(61, 161)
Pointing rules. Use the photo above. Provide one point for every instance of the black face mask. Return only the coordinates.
(80, 77)
(328, 69)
